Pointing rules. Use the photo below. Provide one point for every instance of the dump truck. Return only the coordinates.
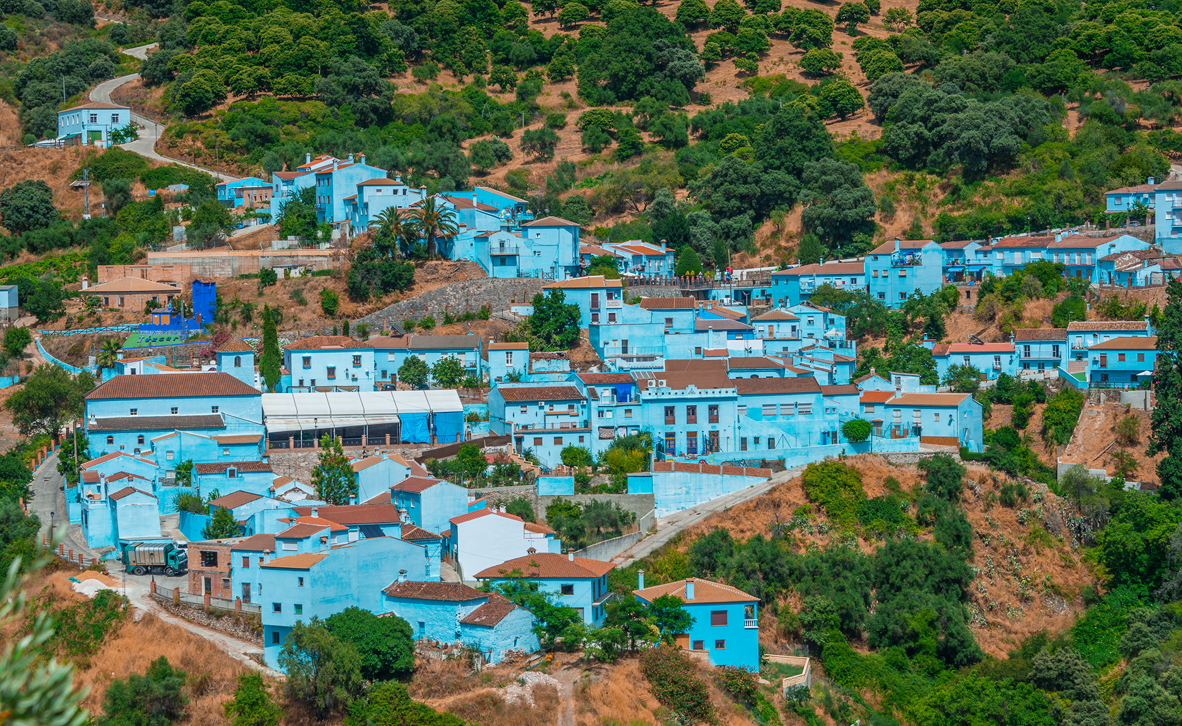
(155, 557)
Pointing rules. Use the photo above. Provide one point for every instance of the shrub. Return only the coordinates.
(330, 302)
(837, 488)
(738, 683)
(1014, 494)
(1128, 429)
(856, 430)
(944, 476)
(675, 683)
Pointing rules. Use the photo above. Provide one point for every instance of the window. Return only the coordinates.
(712, 413)
(114, 118)
(668, 322)
(720, 645)
(595, 317)
(874, 273)
(691, 414)
(568, 589)
(213, 409)
(558, 441)
(670, 416)
(225, 452)
(627, 413)
(307, 361)
(174, 410)
(670, 442)
(274, 637)
(276, 607)
(1026, 351)
(356, 361)
(882, 296)
(742, 411)
(902, 296)
(743, 443)
(691, 443)
(94, 118)
(868, 408)
(1119, 356)
(997, 361)
(301, 580)
(299, 609)
(1140, 357)
(231, 473)
(246, 563)
(237, 361)
(698, 351)
(935, 417)
(524, 409)
(140, 439)
(1054, 351)
(699, 645)
(769, 409)
(537, 441)
(717, 618)
(168, 455)
(805, 409)
(902, 273)
(209, 558)
(332, 372)
(611, 317)
(135, 412)
(110, 439)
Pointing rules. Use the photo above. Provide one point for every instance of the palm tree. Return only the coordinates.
(109, 353)
(432, 218)
(391, 226)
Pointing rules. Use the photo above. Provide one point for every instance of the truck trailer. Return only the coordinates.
(155, 557)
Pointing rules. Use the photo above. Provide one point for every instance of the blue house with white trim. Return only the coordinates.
(575, 582)
(543, 418)
(1040, 349)
(992, 359)
(896, 270)
(1122, 362)
(797, 284)
(725, 620)
(1083, 334)
(429, 503)
(329, 362)
(953, 419)
(91, 124)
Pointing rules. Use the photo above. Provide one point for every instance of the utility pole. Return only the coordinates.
(86, 193)
(522, 137)
(63, 89)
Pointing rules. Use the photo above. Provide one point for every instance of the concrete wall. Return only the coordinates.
(225, 263)
(604, 551)
(1140, 400)
(677, 490)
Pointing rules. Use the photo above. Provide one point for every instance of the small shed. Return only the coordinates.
(9, 303)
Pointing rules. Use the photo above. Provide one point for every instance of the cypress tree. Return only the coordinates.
(269, 361)
(1167, 384)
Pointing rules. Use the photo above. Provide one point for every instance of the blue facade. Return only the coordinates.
(896, 270)
(230, 193)
(237, 359)
(943, 416)
(507, 360)
(391, 353)
(330, 361)
(252, 477)
(334, 183)
(1122, 362)
(374, 196)
(376, 474)
(92, 123)
(430, 503)
(1081, 255)
(725, 620)
(640, 258)
(571, 581)
(797, 284)
(1084, 334)
(991, 359)
(121, 516)
(1040, 349)
(599, 299)
(544, 418)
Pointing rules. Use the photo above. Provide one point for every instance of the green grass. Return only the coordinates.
(773, 672)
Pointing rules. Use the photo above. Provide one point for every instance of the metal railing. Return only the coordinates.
(167, 593)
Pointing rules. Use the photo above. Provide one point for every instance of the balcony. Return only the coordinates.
(808, 285)
(906, 259)
(505, 250)
(750, 623)
(614, 304)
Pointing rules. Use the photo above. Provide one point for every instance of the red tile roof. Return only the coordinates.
(547, 565)
(929, 399)
(602, 378)
(876, 396)
(1128, 343)
(887, 248)
(416, 484)
(355, 514)
(257, 543)
(221, 466)
(482, 513)
(667, 303)
(705, 591)
(489, 614)
(302, 530)
(126, 491)
(442, 591)
(1101, 325)
(541, 393)
(235, 345)
(948, 349)
(182, 385)
(316, 522)
(233, 500)
(411, 533)
(303, 561)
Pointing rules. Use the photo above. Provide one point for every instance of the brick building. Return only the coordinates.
(132, 293)
(174, 274)
(210, 568)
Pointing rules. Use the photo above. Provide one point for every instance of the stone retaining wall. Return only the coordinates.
(234, 625)
(459, 297)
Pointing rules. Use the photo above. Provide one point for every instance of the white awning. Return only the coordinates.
(347, 409)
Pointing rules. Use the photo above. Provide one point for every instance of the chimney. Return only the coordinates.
(402, 575)
(308, 158)
(689, 588)
(398, 178)
(335, 162)
(570, 555)
(1150, 181)
(896, 244)
(640, 581)
(362, 158)
(872, 370)
(85, 282)
(315, 512)
(350, 157)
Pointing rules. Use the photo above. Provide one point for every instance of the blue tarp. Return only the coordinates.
(624, 392)
(977, 268)
(449, 427)
(414, 428)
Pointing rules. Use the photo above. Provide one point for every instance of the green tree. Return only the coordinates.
(1166, 428)
(108, 353)
(572, 13)
(330, 302)
(1072, 307)
(521, 507)
(432, 220)
(553, 323)
(669, 615)
(945, 477)
(49, 398)
(448, 372)
(270, 361)
(118, 194)
(389, 704)
(323, 672)
(333, 476)
(67, 466)
(385, 644)
(252, 704)
(727, 14)
(821, 61)
(221, 525)
(18, 533)
(853, 15)
(470, 461)
(838, 204)
(576, 456)
(688, 263)
(856, 430)
(153, 699)
(962, 378)
(16, 339)
(897, 18)
(27, 205)
(540, 142)
(413, 372)
(838, 96)
(692, 12)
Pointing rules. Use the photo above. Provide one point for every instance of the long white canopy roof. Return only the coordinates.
(309, 411)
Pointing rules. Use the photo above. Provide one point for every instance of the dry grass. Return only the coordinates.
(619, 694)
(1097, 430)
(1026, 581)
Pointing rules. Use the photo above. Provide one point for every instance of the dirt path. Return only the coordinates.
(568, 677)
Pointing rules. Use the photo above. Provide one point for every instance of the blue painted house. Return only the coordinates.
(896, 270)
(128, 514)
(1122, 362)
(1126, 198)
(1081, 254)
(330, 363)
(543, 418)
(575, 582)
(429, 503)
(1040, 348)
(236, 358)
(126, 412)
(507, 360)
(797, 284)
(253, 477)
(1134, 268)
(1083, 334)
(246, 559)
(391, 353)
(690, 408)
(963, 263)
(243, 505)
(615, 409)
(374, 196)
(1168, 216)
(725, 620)
(599, 299)
(991, 359)
(951, 419)
(451, 612)
(376, 474)
(238, 194)
(91, 124)
(641, 258)
(334, 183)
(299, 586)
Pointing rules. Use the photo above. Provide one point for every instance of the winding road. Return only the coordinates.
(150, 130)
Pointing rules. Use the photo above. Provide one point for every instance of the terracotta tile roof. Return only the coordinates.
(320, 342)
(601, 378)
(537, 528)
(716, 353)
(667, 303)
(238, 439)
(957, 245)
(705, 591)
(380, 183)
(320, 522)
(829, 268)
(887, 248)
(114, 455)
(257, 543)
(500, 193)
(929, 399)
(154, 423)
(1101, 325)
(233, 500)
(355, 514)
(125, 491)
(596, 250)
(411, 533)
(847, 389)
(303, 530)
(701, 325)
(280, 481)
(508, 346)
(489, 614)
(876, 396)
(305, 561)
(235, 345)
(1128, 343)
(442, 591)
(181, 385)
(429, 342)
(547, 565)
(1022, 242)
(289, 175)
(773, 315)
(416, 484)
(579, 283)
(955, 348)
(95, 105)
(1077, 241)
(131, 285)
(868, 376)
(120, 476)
(763, 386)
(221, 466)
(751, 362)
(483, 513)
(1026, 334)
(550, 222)
(91, 477)
(541, 393)
(362, 464)
(383, 498)
(1139, 189)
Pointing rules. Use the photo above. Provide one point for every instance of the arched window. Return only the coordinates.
(110, 439)
(237, 361)
(139, 440)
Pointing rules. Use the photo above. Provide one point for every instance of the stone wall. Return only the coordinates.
(459, 297)
(639, 504)
(225, 263)
(243, 627)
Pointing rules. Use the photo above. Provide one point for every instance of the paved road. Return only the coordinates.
(150, 130)
(669, 526)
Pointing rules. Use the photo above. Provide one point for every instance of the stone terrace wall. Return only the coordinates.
(459, 297)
